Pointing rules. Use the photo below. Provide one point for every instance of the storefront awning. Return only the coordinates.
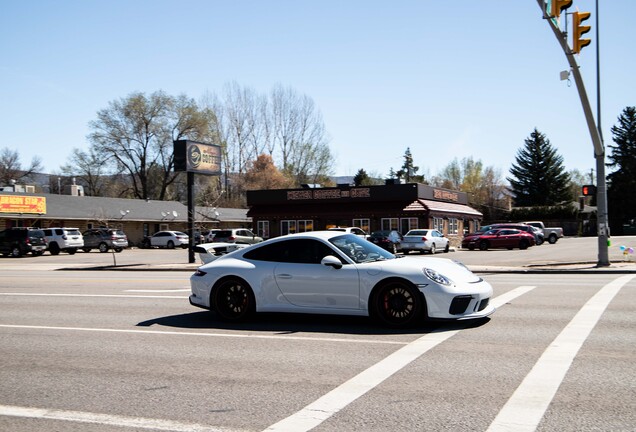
(442, 207)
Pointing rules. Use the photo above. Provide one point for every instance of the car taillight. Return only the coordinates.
(231, 238)
(423, 239)
(64, 237)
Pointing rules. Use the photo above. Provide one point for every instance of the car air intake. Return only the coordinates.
(483, 304)
(459, 304)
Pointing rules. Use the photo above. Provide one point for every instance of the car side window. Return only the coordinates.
(299, 251)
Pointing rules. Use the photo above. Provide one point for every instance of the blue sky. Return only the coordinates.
(467, 78)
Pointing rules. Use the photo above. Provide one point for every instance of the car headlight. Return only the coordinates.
(436, 277)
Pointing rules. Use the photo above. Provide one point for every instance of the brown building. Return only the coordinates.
(386, 207)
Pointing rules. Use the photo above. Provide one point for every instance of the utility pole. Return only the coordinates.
(551, 10)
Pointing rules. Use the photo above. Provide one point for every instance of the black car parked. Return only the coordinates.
(17, 242)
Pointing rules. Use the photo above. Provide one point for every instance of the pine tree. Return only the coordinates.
(539, 177)
(621, 183)
(361, 178)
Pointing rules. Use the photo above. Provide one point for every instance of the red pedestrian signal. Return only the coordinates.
(588, 190)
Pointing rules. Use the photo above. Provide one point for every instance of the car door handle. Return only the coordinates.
(284, 276)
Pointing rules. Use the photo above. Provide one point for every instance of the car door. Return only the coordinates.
(305, 282)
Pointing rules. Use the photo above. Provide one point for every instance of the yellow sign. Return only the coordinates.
(22, 204)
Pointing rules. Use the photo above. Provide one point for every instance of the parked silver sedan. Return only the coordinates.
(424, 240)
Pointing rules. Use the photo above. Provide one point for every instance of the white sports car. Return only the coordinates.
(328, 272)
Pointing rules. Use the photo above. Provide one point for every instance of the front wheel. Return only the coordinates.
(234, 300)
(447, 248)
(16, 252)
(54, 249)
(483, 245)
(397, 304)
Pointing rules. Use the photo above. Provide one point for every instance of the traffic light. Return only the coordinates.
(579, 30)
(588, 190)
(556, 6)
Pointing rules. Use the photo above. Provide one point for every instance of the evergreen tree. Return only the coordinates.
(361, 178)
(538, 176)
(408, 171)
(621, 183)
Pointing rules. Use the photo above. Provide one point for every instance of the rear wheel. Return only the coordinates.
(523, 244)
(86, 249)
(170, 244)
(118, 249)
(397, 304)
(433, 249)
(103, 247)
(71, 251)
(552, 239)
(234, 300)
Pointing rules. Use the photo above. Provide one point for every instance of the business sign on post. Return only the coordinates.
(197, 157)
(22, 204)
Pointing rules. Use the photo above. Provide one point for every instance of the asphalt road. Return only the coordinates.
(123, 351)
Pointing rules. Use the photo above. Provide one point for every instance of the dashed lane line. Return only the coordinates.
(526, 407)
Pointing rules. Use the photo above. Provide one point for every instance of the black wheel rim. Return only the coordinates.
(233, 300)
(397, 304)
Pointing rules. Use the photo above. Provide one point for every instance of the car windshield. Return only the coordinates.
(359, 249)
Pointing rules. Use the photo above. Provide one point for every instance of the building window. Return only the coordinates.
(365, 224)
(407, 224)
(453, 226)
(287, 227)
(262, 229)
(305, 225)
(438, 224)
(390, 224)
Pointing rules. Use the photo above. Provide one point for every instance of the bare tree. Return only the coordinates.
(299, 134)
(137, 134)
(11, 168)
(89, 169)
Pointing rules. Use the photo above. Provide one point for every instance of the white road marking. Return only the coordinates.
(526, 407)
(160, 290)
(106, 419)
(320, 410)
(92, 295)
(220, 335)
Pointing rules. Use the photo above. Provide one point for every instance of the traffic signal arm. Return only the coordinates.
(578, 30)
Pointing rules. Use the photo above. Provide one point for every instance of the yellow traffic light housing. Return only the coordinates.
(556, 6)
(578, 30)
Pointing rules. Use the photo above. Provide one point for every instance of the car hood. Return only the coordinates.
(453, 270)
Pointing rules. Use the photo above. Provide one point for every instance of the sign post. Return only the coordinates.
(200, 158)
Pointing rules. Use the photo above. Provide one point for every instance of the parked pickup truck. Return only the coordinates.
(550, 234)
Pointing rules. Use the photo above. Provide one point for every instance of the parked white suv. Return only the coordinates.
(63, 239)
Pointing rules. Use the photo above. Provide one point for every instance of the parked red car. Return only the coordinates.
(499, 238)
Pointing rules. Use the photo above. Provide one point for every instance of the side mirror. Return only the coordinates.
(331, 261)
